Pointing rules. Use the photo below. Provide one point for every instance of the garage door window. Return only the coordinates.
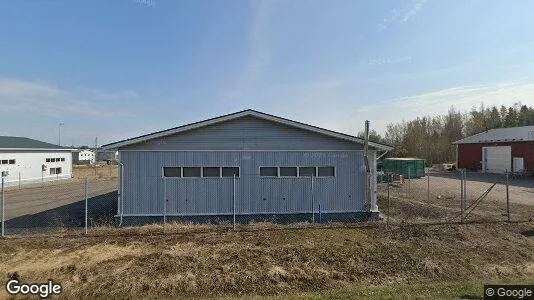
(230, 172)
(307, 171)
(326, 171)
(211, 172)
(191, 172)
(172, 172)
(288, 171)
(269, 171)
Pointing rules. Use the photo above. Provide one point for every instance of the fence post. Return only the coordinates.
(465, 189)
(233, 200)
(461, 196)
(3, 202)
(19, 180)
(86, 198)
(507, 197)
(164, 202)
(389, 203)
(313, 201)
(409, 180)
(320, 214)
(428, 186)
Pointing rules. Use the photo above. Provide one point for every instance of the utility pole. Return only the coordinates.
(59, 133)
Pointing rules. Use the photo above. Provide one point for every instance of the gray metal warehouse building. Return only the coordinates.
(249, 164)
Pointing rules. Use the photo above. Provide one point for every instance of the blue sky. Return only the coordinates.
(118, 69)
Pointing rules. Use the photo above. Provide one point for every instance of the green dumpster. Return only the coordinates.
(408, 167)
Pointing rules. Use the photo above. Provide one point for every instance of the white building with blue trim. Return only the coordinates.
(24, 160)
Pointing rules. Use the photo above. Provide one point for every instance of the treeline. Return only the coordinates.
(431, 137)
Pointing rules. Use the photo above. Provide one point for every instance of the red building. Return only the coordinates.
(497, 150)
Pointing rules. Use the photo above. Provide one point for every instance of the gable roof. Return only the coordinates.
(501, 135)
(245, 113)
(23, 143)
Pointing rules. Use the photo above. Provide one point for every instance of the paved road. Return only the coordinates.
(34, 200)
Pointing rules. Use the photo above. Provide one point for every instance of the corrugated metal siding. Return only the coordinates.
(247, 133)
(470, 155)
(144, 185)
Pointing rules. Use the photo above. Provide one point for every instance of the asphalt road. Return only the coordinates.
(61, 200)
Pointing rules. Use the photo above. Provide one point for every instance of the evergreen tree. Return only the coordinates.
(432, 137)
(524, 116)
(511, 118)
(494, 118)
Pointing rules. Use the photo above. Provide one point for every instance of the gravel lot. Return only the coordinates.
(60, 204)
(442, 201)
(521, 191)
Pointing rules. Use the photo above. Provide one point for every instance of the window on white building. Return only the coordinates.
(55, 171)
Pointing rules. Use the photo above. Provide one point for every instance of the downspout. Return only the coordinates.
(120, 204)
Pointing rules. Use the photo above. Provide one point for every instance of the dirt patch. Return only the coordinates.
(95, 171)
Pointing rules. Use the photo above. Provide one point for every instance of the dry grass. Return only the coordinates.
(264, 259)
(95, 171)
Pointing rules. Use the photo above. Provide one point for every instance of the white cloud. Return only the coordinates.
(438, 102)
(401, 15)
(15, 87)
(260, 47)
(417, 5)
(377, 61)
(148, 3)
(330, 105)
(114, 96)
(46, 99)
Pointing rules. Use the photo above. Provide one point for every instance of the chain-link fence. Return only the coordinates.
(455, 196)
(90, 199)
(70, 204)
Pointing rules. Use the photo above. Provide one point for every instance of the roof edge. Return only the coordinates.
(236, 115)
(38, 149)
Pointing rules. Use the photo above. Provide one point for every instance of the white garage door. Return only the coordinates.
(497, 159)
